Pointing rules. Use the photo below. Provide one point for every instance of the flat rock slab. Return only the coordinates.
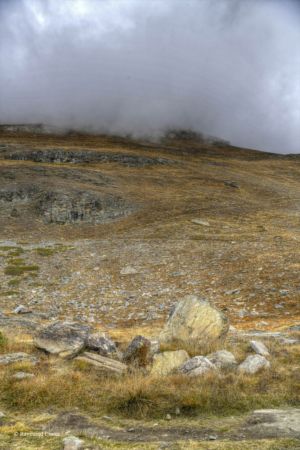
(274, 423)
(103, 364)
(11, 358)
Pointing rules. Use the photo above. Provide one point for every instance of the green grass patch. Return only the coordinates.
(17, 262)
(3, 341)
(19, 270)
(14, 283)
(45, 251)
(8, 293)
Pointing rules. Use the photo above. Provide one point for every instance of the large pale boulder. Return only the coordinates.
(197, 366)
(167, 362)
(65, 339)
(194, 322)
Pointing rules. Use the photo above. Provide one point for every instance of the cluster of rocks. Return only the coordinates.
(193, 322)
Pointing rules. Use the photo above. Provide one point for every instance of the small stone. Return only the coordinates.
(259, 348)
(22, 375)
(201, 222)
(253, 364)
(168, 417)
(21, 309)
(101, 344)
(212, 437)
(73, 443)
(128, 270)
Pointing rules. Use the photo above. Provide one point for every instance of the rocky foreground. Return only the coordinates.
(149, 294)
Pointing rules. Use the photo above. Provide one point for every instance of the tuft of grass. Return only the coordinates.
(14, 283)
(45, 251)
(3, 341)
(16, 262)
(16, 252)
(19, 270)
(8, 293)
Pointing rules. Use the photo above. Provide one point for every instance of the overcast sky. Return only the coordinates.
(229, 68)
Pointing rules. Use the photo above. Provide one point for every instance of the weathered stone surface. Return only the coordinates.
(102, 364)
(65, 339)
(253, 364)
(11, 358)
(199, 365)
(272, 423)
(101, 344)
(259, 348)
(222, 359)
(193, 322)
(21, 309)
(167, 362)
(138, 353)
(202, 222)
(73, 443)
(22, 375)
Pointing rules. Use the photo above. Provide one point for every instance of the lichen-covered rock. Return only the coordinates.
(194, 322)
(138, 353)
(199, 365)
(167, 362)
(100, 343)
(65, 339)
(253, 364)
(222, 359)
(72, 443)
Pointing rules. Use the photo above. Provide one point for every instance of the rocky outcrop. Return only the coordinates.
(83, 156)
(62, 206)
(167, 362)
(274, 423)
(100, 343)
(194, 322)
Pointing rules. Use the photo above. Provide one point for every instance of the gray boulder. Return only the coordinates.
(199, 365)
(64, 339)
(101, 344)
(253, 364)
(222, 359)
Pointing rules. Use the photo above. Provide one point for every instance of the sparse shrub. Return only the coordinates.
(3, 341)
(45, 251)
(14, 283)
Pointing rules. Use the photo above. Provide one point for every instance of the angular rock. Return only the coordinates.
(73, 443)
(138, 353)
(194, 322)
(101, 344)
(253, 364)
(204, 223)
(222, 359)
(259, 348)
(11, 358)
(199, 365)
(65, 339)
(167, 362)
(102, 364)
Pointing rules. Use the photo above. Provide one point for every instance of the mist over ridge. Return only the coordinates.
(228, 68)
